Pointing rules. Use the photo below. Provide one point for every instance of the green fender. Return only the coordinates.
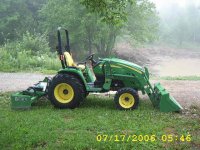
(76, 72)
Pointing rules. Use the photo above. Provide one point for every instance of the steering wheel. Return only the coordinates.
(90, 57)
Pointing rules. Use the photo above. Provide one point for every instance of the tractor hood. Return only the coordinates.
(124, 63)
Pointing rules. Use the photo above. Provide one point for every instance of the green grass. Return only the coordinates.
(35, 71)
(44, 127)
(191, 78)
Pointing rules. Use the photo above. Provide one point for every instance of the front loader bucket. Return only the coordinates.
(164, 101)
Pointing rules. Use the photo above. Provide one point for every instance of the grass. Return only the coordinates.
(44, 127)
(34, 71)
(190, 78)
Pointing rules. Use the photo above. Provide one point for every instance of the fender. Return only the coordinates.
(76, 72)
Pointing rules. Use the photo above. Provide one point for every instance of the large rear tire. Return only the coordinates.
(126, 99)
(65, 91)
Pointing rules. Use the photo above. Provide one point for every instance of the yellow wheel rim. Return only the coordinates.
(64, 93)
(126, 100)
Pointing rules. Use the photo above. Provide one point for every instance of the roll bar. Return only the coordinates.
(59, 47)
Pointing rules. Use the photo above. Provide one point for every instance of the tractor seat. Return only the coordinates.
(70, 61)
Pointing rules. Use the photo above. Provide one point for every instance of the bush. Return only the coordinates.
(36, 42)
(31, 53)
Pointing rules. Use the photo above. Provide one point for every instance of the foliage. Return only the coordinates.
(31, 53)
(143, 22)
(86, 29)
(36, 43)
(66, 14)
(182, 27)
(17, 17)
(111, 11)
(93, 26)
(44, 127)
(11, 19)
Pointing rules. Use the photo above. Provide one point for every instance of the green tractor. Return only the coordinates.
(74, 82)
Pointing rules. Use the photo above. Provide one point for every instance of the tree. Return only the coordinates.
(111, 11)
(17, 17)
(142, 21)
(181, 25)
(96, 26)
(11, 18)
(193, 20)
(87, 31)
(93, 24)
(68, 14)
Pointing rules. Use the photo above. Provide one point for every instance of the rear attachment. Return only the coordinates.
(24, 99)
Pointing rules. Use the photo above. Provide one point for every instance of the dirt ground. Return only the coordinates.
(187, 93)
(163, 61)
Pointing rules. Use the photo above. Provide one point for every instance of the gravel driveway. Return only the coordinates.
(187, 93)
(18, 81)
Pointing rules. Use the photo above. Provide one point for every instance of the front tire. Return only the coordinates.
(126, 99)
(65, 91)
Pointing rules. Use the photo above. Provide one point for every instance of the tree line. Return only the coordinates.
(180, 25)
(94, 25)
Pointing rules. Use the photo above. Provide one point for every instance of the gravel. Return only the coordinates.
(187, 93)
(18, 81)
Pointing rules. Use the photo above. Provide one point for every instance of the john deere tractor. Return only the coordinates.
(71, 85)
